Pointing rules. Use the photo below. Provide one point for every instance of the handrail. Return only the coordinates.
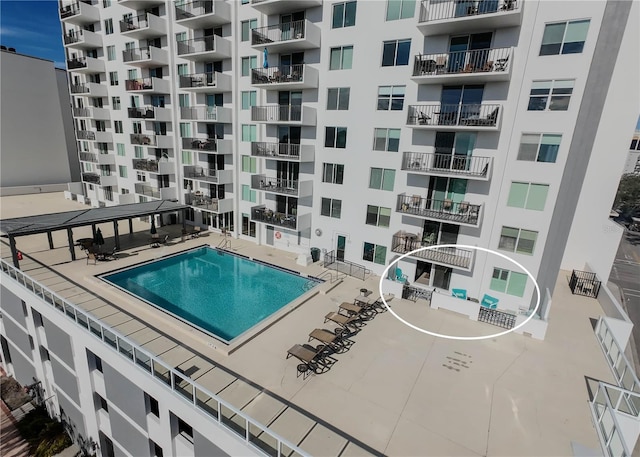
(435, 11)
(278, 113)
(348, 268)
(176, 381)
(622, 369)
(609, 430)
(473, 61)
(446, 162)
(472, 114)
(200, 44)
(193, 9)
(285, 31)
(198, 79)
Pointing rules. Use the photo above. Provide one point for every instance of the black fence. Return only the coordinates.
(343, 266)
(584, 283)
(497, 318)
(416, 293)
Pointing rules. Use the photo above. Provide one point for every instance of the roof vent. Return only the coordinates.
(12, 50)
(3, 47)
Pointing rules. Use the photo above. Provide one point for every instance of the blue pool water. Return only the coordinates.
(221, 293)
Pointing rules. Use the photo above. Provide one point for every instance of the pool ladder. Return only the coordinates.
(226, 242)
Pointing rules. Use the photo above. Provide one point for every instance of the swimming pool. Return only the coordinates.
(219, 292)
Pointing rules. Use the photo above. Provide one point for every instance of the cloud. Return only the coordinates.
(24, 33)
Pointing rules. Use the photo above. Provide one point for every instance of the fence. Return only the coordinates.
(584, 283)
(342, 266)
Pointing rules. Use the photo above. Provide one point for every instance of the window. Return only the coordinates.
(333, 173)
(185, 430)
(344, 15)
(248, 99)
(382, 178)
(560, 91)
(186, 157)
(249, 132)
(338, 98)
(395, 53)
(246, 28)
(108, 26)
(248, 227)
(157, 450)
(635, 145)
(331, 207)
(374, 253)
(378, 216)
(539, 147)
(386, 140)
(118, 126)
(247, 64)
(106, 3)
(185, 130)
(115, 102)
(400, 9)
(183, 100)
(122, 171)
(113, 78)
(137, 152)
(508, 282)
(564, 38)
(102, 403)
(111, 53)
(517, 240)
(152, 405)
(248, 194)
(341, 58)
(528, 195)
(183, 69)
(249, 164)
(391, 98)
(335, 137)
(101, 126)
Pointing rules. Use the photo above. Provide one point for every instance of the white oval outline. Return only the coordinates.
(450, 337)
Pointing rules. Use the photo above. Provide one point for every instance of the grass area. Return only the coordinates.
(46, 437)
(12, 393)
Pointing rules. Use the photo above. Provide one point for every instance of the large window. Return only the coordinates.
(108, 26)
(246, 28)
(391, 98)
(248, 99)
(335, 137)
(113, 78)
(249, 132)
(395, 53)
(248, 63)
(517, 240)
(378, 216)
(341, 58)
(338, 98)
(248, 194)
(374, 253)
(120, 149)
(333, 173)
(122, 171)
(382, 178)
(400, 9)
(111, 53)
(528, 195)
(508, 282)
(117, 125)
(344, 15)
(539, 147)
(552, 95)
(115, 102)
(386, 140)
(564, 38)
(249, 164)
(331, 207)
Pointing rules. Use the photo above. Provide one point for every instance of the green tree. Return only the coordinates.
(627, 199)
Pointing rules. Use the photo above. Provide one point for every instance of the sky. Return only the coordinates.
(32, 28)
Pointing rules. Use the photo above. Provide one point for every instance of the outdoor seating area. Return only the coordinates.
(348, 320)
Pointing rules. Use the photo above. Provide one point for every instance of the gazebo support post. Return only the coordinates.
(130, 226)
(71, 248)
(14, 251)
(93, 230)
(50, 237)
(116, 235)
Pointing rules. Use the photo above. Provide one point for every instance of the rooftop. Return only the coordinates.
(395, 391)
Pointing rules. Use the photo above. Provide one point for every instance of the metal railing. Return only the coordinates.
(285, 31)
(69, 10)
(139, 84)
(92, 178)
(88, 157)
(73, 36)
(200, 172)
(145, 165)
(431, 10)
(285, 186)
(330, 262)
(218, 409)
(275, 75)
(81, 112)
(78, 62)
(198, 80)
(146, 189)
(86, 135)
(144, 112)
(278, 113)
(203, 201)
(447, 163)
(200, 44)
(79, 89)
(496, 317)
(476, 115)
(262, 214)
(142, 139)
(134, 23)
(445, 210)
(584, 283)
(285, 150)
(208, 113)
(622, 369)
(193, 9)
(482, 60)
(201, 144)
(608, 404)
(407, 242)
(416, 293)
(136, 54)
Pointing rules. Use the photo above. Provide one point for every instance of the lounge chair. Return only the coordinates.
(308, 355)
(92, 256)
(343, 321)
(351, 309)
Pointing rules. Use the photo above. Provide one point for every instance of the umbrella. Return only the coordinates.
(265, 57)
(153, 226)
(98, 238)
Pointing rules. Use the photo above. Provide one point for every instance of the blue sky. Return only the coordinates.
(33, 28)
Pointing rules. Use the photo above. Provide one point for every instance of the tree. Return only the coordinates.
(627, 199)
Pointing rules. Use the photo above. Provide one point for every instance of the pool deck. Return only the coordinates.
(395, 391)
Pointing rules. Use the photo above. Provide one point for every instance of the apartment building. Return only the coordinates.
(632, 164)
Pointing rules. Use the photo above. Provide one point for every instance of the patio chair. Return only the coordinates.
(489, 302)
(343, 321)
(441, 63)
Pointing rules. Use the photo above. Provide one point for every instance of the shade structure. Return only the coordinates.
(265, 58)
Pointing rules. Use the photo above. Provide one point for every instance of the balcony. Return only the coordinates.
(149, 56)
(213, 82)
(86, 65)
(205, 48)
(100, 159)
(403, 242)
(448, 165)
(284, 151)
(200, 14)
(288, 36)
(151, 85)
(163, 167)
(79, 13)
(284, 114)
(281, 186)
(88, 157)
(285, 77)
(146, 139)
(463, 213)
(463, 67)
(283, 6)
(211, 145)
(146, 189)
(265, 215)
(89, 89)
(150, 112)
(202, 201)
(82, 39)
(125, 199)
(465, 16)
(104, 181)
(207, 174)
(143, 27)
(206, 114)
(91, 135)
(435, 116)
(92, 113)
